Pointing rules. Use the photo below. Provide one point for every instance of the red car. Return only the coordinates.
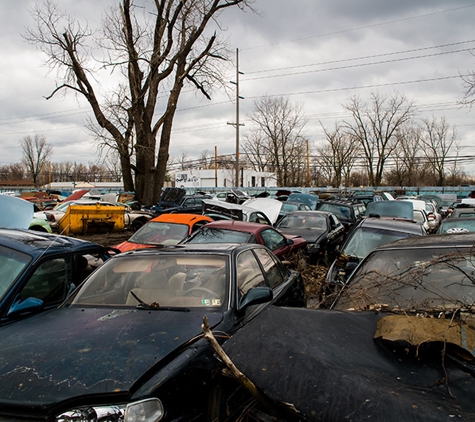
(235, 231)
(166, 229)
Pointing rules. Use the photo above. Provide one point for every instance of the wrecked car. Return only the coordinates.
(166, 229)
(219, 210)
(322, 230)
(368, 233)
(39, 270)
(228, 231)
(397, 345)
(127, 345)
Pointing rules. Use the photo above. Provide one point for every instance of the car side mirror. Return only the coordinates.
(30, 304)
(255, 296)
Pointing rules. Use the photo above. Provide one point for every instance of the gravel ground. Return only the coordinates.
(106, 239)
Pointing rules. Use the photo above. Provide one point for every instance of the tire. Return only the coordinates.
(137, 224)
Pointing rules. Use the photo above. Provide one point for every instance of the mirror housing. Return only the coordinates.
(30, 304)
(256, 296)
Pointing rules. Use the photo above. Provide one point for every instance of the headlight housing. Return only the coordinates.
(148, 410)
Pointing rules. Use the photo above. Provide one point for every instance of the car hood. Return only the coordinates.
(172, 196)
(70, 352)
(311, 236)
(270, 207)
(17, 213)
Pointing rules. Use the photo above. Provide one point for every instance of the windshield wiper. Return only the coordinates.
(156, 306)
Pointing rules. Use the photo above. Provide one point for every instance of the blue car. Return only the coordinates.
(127, 344)
(39, 270)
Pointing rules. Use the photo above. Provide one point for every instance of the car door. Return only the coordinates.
(276, 242)
(336, 233)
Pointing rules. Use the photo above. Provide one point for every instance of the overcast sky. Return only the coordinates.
(319, 53)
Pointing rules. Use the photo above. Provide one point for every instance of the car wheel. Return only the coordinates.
(137, 223)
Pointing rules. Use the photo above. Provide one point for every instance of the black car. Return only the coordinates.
(397, 345)
(322, 230)
(175, 200)
(40, 269)
(347, 211)
(128, 342)
(367, 234)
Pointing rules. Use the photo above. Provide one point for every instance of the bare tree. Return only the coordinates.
(279, 127)
(374, 128)
(36, 154)
(155, 50)
(406, 157)
(252, 148)
(337, 156)
(439, 141)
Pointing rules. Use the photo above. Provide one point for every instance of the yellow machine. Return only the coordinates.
(88, 219)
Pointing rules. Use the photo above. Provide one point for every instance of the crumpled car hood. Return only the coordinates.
(70, 352)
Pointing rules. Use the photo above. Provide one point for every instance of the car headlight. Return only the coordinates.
(313, 246)
(148, 410)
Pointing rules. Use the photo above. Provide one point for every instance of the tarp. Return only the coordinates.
(327, 364)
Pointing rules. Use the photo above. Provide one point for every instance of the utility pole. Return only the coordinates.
(237, 124)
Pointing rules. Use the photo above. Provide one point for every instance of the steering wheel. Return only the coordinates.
(202, 290)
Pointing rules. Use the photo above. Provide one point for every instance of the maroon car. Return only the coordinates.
(233, 231)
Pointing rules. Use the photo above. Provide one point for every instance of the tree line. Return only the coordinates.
(383, 142)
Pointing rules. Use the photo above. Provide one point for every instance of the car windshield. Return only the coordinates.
(341, 211)
(12, 263)
(364, 240)
(303, 221)
(160, 232)
(215, 235)
(158, 281)
(419, 216)
(430, 280)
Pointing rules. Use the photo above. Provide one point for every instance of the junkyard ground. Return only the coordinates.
(313, 275)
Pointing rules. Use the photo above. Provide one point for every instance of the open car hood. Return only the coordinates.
(212, 206)
(391, 208)
(270, 207)
(172, 196)
(16, 212)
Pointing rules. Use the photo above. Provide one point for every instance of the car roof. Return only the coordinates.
(392, 224)
(245, 226)
(310, 213)
(181, 218)
(341, 201)
(38, 243)
(214, 248)
(431, 241)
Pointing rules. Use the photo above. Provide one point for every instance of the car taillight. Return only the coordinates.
(49, 217)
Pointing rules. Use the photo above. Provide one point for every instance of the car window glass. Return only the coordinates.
(215, 235)
(158, 232)
(249, 274)
(415, 279)
(274, 271)
(50, 281)
(12, 264)
(257, 217)
(181, 280)
(273, 239)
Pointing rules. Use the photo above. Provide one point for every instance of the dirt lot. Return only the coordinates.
(106, 239)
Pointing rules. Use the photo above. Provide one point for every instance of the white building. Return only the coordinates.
(223, 178)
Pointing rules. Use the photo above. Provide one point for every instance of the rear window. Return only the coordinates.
(211, 235)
